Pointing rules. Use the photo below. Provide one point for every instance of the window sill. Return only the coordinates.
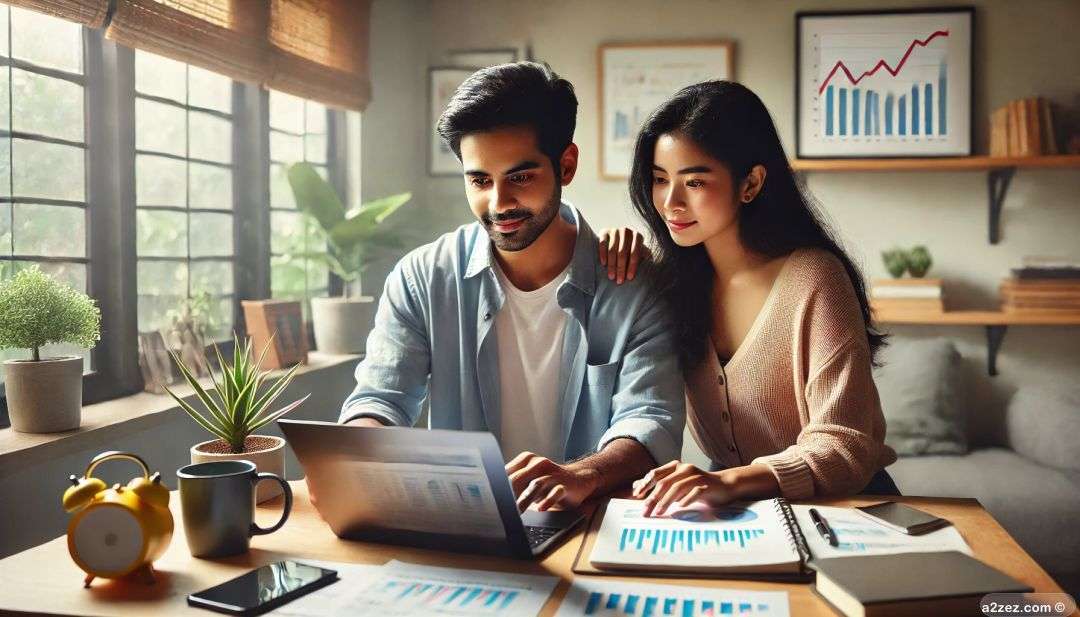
(103, 423)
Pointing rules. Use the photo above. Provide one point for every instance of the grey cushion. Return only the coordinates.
(920, 389)
(1043, 424)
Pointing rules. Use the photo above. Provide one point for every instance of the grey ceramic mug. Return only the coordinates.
(218, 503)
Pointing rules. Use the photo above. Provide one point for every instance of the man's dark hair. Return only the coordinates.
(517, 94)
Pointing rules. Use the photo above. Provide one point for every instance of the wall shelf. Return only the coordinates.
(995, 322)
(1000, 171)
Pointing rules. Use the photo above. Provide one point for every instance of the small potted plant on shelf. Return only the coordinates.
(351, 237)
(237, 407)
(44, 395)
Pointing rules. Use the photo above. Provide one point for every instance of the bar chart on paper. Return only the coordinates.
(605, 598)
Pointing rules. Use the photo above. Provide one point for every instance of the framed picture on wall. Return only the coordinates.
(482, 57)
(635, 78)
(884, 83)
(442, 82)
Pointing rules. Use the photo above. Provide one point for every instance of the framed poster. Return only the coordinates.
(636, 78)
(884, 83)
(482, 58)
(443, 81)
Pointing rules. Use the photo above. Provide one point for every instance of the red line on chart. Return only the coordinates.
(881, 63)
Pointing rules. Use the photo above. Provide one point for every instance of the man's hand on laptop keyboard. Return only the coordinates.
(540, 481)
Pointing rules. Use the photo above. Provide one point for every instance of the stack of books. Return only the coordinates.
(907, 295)
(1024, 127)
(1044, 286)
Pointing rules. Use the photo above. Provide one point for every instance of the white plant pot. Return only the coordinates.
(44, 396)
(269, 460)
(342, 324)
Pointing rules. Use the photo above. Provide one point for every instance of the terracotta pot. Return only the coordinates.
(268, 456)
(44, 396)
(342, 324)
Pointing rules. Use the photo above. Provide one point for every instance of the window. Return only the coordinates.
(43, 211)
(298, 132)
(183, 193)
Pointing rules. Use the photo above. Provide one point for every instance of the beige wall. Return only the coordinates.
(1022, 49)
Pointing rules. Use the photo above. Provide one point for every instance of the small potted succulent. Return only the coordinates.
(341, 324)
(895, 260)
(44, 395)
(919, 261)
(235, 409)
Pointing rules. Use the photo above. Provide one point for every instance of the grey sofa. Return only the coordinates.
(1021, 462)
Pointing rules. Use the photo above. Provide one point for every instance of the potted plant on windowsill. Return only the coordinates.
(236, 409)
(341, 324)
(44, 395)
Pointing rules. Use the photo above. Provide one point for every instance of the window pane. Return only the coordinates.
(286, 148)
(47, 106)
(315, 148)
(5, 100)
(46, 41)
(5, 168)
(210, 90)
(3, 33)
(318, 278)
(220, 313)
(162, 278)
(72, 274)
(54, 231)
(316, 118)
(286, 112)
(211, 138)
(161, 233)
(211, 187)
(214, 277)
(281, 195)
(154, 311)
(286, 232)
(159, 181)
(51, 171)
(287, 277)
(323, 172)
(159, 127)
(5, 233)
(159, 76)
(214, 236)
(353, 131)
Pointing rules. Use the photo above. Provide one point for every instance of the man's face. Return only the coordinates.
(512, 187)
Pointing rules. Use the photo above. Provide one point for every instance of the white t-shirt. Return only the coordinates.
(529, 329)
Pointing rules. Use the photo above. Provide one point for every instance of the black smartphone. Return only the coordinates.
(904, 519)
(263, 589)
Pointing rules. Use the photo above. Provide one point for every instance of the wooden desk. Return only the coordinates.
(45, 580)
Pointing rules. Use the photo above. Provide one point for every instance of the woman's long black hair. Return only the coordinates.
(733, 126)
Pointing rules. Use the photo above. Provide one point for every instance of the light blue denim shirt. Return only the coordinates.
(434, 337)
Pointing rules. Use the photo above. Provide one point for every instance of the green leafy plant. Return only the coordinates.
(235, 408)
(36, 310)
(352, 237)
(895, 261)
(919, 261)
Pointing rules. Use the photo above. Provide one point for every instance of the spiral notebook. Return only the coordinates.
(758, 539)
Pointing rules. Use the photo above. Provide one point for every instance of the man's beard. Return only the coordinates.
(531, 227)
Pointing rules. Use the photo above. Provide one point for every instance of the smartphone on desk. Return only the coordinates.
(904, 519)
(263, 589)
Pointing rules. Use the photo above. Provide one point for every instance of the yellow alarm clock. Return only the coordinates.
(118, 531)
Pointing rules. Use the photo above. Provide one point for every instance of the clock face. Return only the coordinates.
(108, 539)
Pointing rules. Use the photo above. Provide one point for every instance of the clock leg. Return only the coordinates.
(144, 575)
(89, 579)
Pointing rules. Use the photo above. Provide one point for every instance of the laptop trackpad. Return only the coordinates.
(551, 518)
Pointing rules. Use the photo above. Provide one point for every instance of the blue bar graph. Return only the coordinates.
(435, 598)
(915, 109)
(829, 111)
(676, 541)
(676, 603)
(855, 111)
(928, 112)
(901, 114)
(888, 113)
(843, 111)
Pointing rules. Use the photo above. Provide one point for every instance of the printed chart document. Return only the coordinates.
(858, 535)
(744, 537)
(607, 598)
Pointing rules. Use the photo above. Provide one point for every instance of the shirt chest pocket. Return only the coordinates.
(599, 384)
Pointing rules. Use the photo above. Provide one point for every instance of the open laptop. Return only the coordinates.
(438, 489)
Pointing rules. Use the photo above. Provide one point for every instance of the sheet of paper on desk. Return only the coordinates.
(400, 588)
(859, 535)
(608, 598)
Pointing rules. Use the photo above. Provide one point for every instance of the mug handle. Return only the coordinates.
(259, 531)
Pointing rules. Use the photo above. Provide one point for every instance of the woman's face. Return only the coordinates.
(692, 191)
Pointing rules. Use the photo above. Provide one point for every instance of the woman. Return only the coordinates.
(773, 324)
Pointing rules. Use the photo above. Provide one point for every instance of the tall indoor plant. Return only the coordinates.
(44, 395)
(351, 237)
(237, 406)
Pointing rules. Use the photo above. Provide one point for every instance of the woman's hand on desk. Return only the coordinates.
(539, 480)
(682, 483)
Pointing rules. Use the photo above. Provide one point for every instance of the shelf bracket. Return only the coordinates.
(998, 185)
(994, 337)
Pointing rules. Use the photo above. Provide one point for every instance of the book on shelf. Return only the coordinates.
(907, 305)
(1023, 127)
(907, 294)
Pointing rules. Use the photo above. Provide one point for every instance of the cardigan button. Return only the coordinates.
(720, 379)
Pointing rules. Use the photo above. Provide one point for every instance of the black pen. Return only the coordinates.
(823, 527)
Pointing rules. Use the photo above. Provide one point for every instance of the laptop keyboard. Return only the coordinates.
(539, 535)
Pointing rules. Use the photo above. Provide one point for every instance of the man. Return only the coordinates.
(511, 324)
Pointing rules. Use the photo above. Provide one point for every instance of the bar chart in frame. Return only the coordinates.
(885, 88)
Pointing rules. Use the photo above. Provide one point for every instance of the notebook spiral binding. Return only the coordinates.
(794, 532)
